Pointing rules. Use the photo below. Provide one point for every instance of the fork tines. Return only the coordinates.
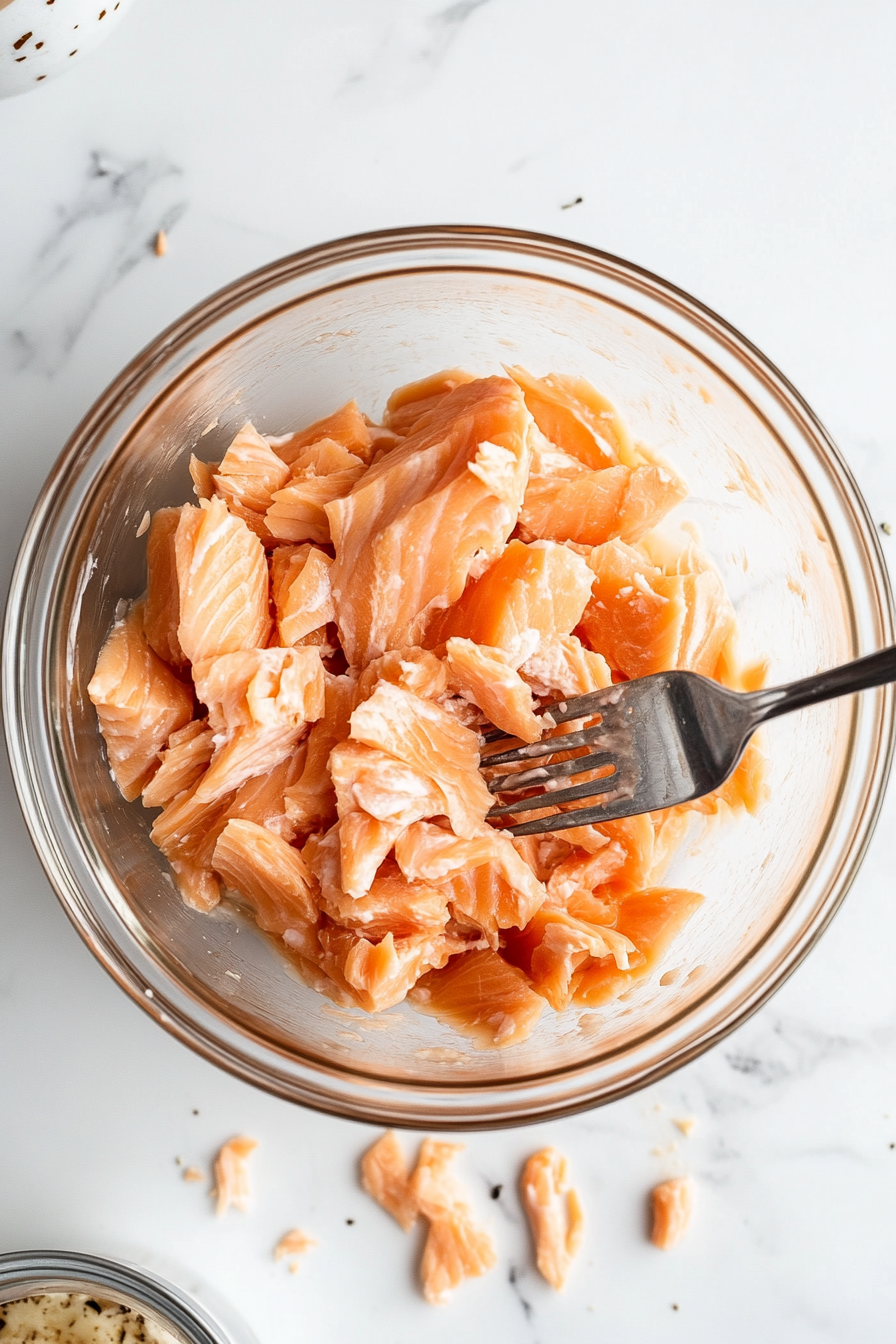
(545, 778)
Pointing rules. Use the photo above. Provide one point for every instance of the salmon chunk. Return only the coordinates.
(247, 477)
(380, 974)
(673, 1203)
(407, 535)
(650, 920)
(311, 801)
(300, 587)
(570, 413)
(483, 997)
(388, 789)
(259, 703)
(554, 1213)
(394, 904)
(434, 744)
(232, 1175)
(431, 854)
(222, 579)
(345, 427)
(409, 406)
(599, 505)
(271, 874)
(139, 703)
(182, 763)
(385, 1177)
(529, 595)
(321, 474)
(456, 1247)
(564, 667)
(161, 615)
(644, 620)
(486, 678)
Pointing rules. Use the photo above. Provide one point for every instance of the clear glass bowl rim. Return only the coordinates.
(336, 1090)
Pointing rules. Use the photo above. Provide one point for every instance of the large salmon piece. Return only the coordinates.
(432, 510)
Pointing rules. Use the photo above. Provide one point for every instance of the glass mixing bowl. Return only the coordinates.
(774, 504)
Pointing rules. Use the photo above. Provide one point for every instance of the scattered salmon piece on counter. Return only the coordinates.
(139, 703)
(222, 579)
(232, 1175)
(672, 1203)
(192, 1175)
(385, 1177)
(554, 1212)
(328, 640)
(292, 1246)
(456, 1248)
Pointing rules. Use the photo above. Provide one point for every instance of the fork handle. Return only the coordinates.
(876, 670)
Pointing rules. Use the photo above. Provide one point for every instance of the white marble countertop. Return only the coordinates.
(743, 152)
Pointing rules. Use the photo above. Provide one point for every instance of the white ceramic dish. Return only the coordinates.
(40, 39)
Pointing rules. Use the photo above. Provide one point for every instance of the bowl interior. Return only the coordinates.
(765, 501)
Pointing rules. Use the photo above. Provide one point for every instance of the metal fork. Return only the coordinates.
(668, 738)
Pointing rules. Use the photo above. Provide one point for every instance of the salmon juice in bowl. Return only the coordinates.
(335, 525)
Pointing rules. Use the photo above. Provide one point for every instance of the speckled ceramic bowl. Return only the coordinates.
(40, 39)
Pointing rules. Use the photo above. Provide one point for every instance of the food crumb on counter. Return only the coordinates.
(555, 1214)
(886, 528)
(232, 1175)
(686, 1125)
(673, 1204)
(192, 1175)
(291, 1246)
(160, 247)
(569, 204)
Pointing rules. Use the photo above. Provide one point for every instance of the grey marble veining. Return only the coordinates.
(747, 155)
(97, 239)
